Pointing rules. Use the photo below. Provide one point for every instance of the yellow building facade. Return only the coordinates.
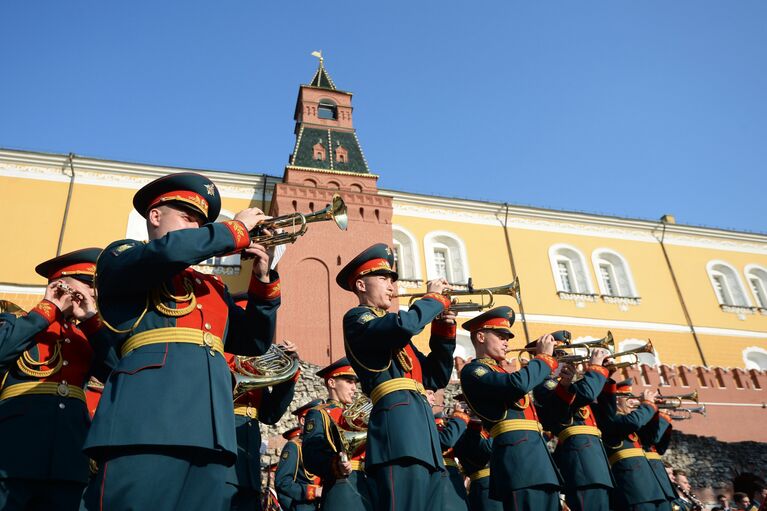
(698, 293)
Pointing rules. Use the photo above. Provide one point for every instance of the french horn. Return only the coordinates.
(273, 367)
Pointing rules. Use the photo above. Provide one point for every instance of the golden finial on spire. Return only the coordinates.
(318, 54)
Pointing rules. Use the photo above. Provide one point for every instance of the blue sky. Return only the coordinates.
(627, 108)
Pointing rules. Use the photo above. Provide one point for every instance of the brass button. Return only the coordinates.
(67, 340)
(62, 390)
(65, 363)
(207, 338)
(199, 306)
(207, 326)
(62, 405)
(198, 281)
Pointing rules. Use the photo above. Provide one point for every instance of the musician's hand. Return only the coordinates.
(290, 348)
(261, 258)
(649, 396)
(458, 407)
(58, 297)
(609, 363)
(566, 374)
(343, 468)
(437, 286)
(598, 355)
(447, 316)
(508, 365)
(84, 302)
(250, 217)
(545, 345)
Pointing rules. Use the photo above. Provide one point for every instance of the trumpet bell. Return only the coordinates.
(297, 224)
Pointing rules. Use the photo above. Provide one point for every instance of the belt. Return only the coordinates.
(479, 474)
(578, 430)
(394, 385)
(358, 465)
(43, 387)
(633, 452)
(173, 334)
(450, 462)
(653, 456)
(515, 425)
(247, 411)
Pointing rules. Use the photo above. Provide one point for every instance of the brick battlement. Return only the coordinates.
(735, 399)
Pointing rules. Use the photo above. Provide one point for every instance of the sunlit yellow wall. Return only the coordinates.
(690, 267)
(660, 306)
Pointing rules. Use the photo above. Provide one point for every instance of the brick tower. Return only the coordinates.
(326, 159)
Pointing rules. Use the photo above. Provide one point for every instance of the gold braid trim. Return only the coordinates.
(404, 360)
(26, 360)
(158, 294)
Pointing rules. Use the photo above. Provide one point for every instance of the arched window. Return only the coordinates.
(446, 257)
(327, 109)
(222, 265)
(649, 359)
(727, 285)
(755, 358)
(756, 277)
(569, 268)
(613, 274)
(406, 254)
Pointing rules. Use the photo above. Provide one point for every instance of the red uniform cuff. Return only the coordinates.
(262, 290)
(49, 311)
(91, 325)
(610, 388)
(598, 369)
(239, 233)
(295, 377)
(444, 300)
(311, 491)
(665, 417)
(462, 416)
(564, 394)
(548, 360)
(475, 425)
(443, 329)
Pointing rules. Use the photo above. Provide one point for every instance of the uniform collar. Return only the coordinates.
(487, 361)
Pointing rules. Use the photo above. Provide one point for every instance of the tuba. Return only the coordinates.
(298, 224)
(487, 296)
(273, 367)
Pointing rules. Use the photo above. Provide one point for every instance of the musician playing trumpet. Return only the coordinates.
(522, 472)
(46, 359)
(344, 482)
(655, 437)
(564, 407)
(636, 486)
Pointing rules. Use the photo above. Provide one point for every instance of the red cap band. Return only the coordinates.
(494, 323)
(368, 267)
(340, 371)
(193, 199)
(74, 269)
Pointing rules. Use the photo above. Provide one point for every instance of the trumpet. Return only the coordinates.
(487, 295)
(692, 396)
(298, 222)
(686, 413)
(646, 348)
(273, 367)
(607, 342)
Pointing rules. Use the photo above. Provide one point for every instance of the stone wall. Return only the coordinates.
(712, 465)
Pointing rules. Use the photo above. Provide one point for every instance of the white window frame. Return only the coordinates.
(432, 241)
(750, 364)
(555, 256)
(748, 270)
(711, 271)
(597, 259)
(415, 255)
(628, 344)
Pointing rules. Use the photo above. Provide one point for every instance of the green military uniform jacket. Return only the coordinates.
(379, 349)
(495, 395)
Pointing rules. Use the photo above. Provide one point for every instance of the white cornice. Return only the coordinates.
(493, 213)
(52, 167)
